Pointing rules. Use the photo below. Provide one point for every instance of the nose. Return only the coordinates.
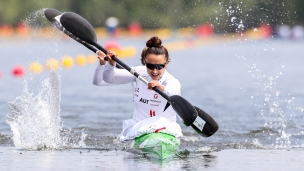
(154, 70)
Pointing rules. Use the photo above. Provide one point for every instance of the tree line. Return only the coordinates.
(224, 16)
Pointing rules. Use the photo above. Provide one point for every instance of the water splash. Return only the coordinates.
(275, 107)
(39, 29)
(81, 143)
(234, 13)
(35, 119)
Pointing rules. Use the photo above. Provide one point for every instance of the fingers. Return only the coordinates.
(109, 56)
(100, 53)
(111, 53)
(155, 84)
(150, 86)
(101, 56)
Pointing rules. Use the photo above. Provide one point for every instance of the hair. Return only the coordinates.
(154, 46)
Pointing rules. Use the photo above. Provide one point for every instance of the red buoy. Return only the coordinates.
(18, 71)
(266, 30)
(205, 30)
(112, 45)
(135, 29)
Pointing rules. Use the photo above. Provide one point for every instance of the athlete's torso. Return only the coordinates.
(148, 103)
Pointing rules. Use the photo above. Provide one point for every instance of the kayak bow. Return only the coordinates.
(158, 145)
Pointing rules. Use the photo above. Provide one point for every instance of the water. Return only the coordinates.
(230, 159)
(35, 119)
(252, 88)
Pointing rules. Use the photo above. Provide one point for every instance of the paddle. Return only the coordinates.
(200, 121)
(50, 14)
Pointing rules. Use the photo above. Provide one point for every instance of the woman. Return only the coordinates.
(149, 114)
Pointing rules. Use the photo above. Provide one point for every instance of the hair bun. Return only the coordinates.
(154, 42)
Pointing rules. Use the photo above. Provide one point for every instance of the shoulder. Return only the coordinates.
(141, 70)
(169, 78)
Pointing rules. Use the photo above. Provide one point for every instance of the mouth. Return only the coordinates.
(154, 74)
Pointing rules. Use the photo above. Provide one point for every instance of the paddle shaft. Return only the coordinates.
(132, 71)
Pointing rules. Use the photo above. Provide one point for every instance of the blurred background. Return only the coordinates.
(186, 20)
(203, 17)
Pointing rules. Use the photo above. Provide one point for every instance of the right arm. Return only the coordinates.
(112, 75)
(107, 74)
(98, 74)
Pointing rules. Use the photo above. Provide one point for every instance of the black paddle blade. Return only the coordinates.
(78, 26)
(166, 107)
(51, 13)
(204, 124)
(183, 108)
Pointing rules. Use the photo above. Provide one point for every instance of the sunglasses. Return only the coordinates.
(157, 66)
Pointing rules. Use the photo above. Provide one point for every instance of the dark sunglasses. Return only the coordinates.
(157, 66)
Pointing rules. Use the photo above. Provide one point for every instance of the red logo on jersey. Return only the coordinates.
(155, 96)
(152, 113)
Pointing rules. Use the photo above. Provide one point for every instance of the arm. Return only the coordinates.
(99, 71)
(98, 76)
(112, 75)
(107, 74)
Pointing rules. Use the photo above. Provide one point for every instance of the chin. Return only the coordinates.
(155, 78)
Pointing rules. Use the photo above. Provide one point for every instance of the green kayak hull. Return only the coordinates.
(158, 145)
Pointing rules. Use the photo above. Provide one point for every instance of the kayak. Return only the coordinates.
(155, 136)
(157, 144)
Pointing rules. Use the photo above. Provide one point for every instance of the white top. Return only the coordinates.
(147, 103)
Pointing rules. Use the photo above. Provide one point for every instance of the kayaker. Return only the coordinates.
(149, 114)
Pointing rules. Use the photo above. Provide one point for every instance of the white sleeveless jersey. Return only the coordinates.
(147, 103)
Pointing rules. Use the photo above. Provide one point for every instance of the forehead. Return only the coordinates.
(156, 59)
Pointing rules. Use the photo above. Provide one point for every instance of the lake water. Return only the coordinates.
(252, 88)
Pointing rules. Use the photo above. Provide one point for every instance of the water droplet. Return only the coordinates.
(232, 19)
